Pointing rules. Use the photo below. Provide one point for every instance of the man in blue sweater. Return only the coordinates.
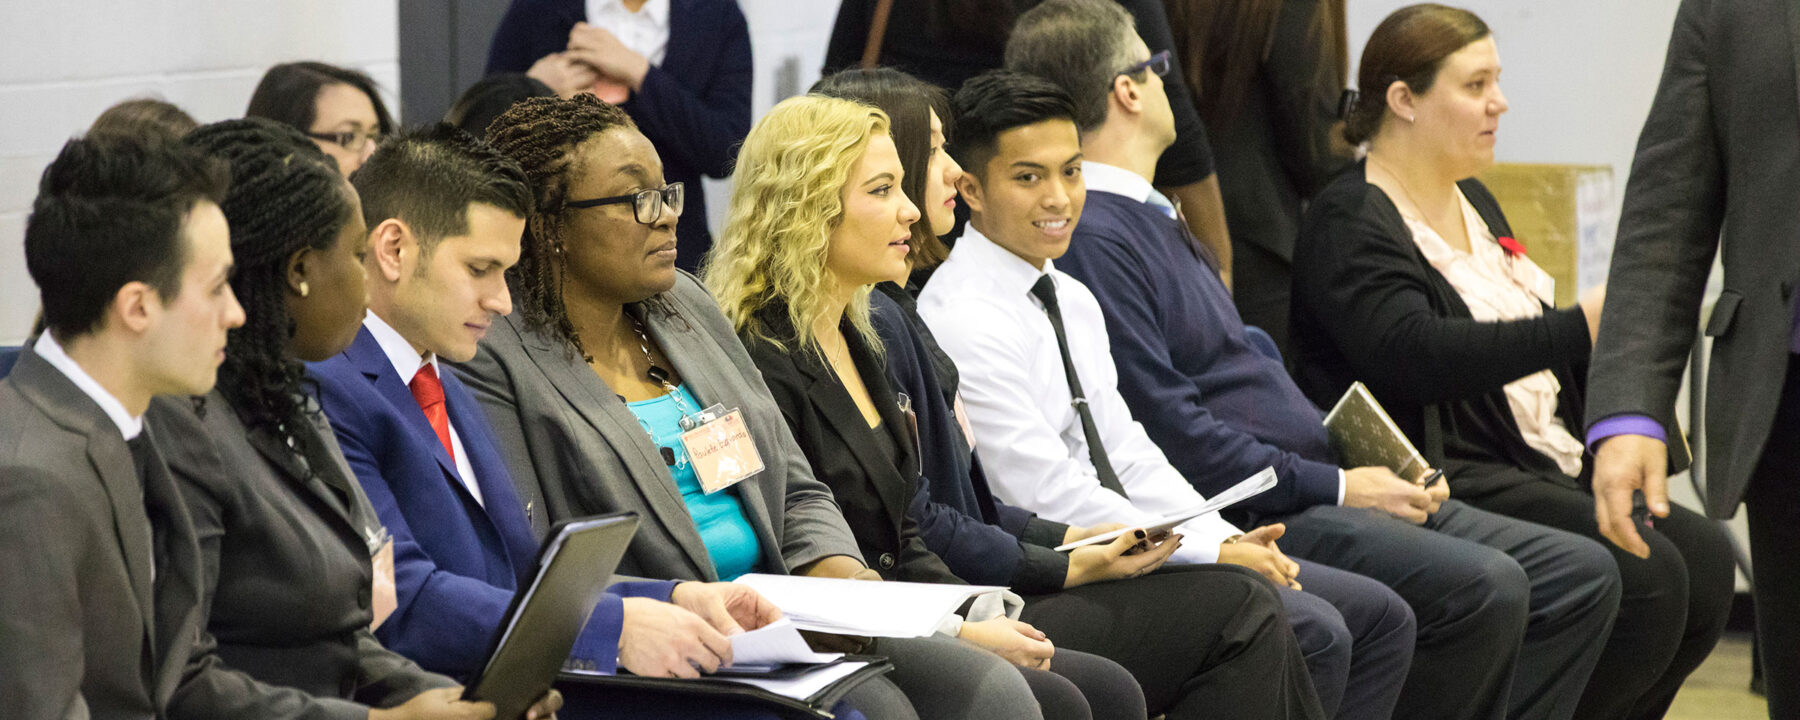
(1494, 591)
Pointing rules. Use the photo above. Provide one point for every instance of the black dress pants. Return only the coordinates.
(1773, 502)
(1201, 639)
(1673, 604)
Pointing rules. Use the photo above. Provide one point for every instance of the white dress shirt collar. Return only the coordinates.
(645, 32)
(1116, 180)
(52, 352)
(399, 351)
(1008, 272)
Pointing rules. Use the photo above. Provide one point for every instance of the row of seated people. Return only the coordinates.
(469, 428)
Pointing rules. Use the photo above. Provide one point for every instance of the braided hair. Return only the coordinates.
(541, 134)
(286, 195)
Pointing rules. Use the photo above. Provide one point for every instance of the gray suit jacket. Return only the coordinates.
(1718, 149)
(285, 549)
(84, 630)
(575, 449)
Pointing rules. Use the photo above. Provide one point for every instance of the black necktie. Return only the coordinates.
(142, 455)
(1045, 291)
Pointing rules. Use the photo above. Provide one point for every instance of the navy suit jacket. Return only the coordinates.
(1217, 407)
(695, 107)
(456, 563)
(982, 540)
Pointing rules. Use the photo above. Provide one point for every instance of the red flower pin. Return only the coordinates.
(1511, 246)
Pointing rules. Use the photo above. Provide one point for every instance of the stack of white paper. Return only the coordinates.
(803, 686)
(777, 643)
(861, 607)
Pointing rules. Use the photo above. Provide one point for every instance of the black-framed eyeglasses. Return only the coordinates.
(646, 205)
(1158, 63)
(352, 140)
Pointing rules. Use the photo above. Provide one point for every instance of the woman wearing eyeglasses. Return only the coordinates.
(338, 108)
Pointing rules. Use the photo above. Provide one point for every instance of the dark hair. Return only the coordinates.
(109, 211)
(908, 102)
(285, 195)
(1409, 46)
(541, 134)
(428, 177)
(1080, 45)
(997, 101)
(491, 96)
(289, 93)
(139, 116)
(1224, 45)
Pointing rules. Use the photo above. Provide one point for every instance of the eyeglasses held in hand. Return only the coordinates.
(352, 140)
(646, 205)
(1158, 63)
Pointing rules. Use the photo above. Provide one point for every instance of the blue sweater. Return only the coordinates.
(1219, 409)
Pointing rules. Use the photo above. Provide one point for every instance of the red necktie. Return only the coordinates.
(428, 391)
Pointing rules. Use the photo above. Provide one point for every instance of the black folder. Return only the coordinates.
(818, 705)
(574, 567)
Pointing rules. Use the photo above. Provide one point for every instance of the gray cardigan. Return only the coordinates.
(575, 449)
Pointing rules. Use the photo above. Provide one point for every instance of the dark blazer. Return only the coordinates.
(284, 544)
(982, 540)
(1718, 149)
(695, 107)
(1369, 307)
(83, 632)
(456, 563)
(577, 450)
(873, 489)
(947, 60)
(1219, 409)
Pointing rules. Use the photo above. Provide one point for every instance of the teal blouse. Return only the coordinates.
(726, 531)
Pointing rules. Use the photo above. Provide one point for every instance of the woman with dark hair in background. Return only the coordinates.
(491, 96)
(1406, 278)
(1266, 76)
(292, 552)
(946, 42)
(339, 108)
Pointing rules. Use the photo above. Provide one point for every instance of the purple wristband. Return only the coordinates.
(1625, 425)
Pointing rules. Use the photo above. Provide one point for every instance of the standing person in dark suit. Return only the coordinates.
(100, 603)
(680, 68)
(447, 212)
(1718, 149)
(297, 567)
(1266, 76)
(1509, 611)
(1406, 278)
(946, 42)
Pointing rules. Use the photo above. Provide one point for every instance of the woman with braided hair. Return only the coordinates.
(296, 565)
(611, 348)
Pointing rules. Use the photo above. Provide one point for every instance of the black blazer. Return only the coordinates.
(873, 491)
(286, 572)
(695, 107)
(1369, 307)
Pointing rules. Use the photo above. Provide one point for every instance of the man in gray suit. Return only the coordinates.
(1721, 148)
(99, 570)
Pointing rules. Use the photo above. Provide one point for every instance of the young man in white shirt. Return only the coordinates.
(1499, 594)
(99, 566)
(1078, 457)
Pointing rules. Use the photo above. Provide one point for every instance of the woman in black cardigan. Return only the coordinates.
(1391, 259)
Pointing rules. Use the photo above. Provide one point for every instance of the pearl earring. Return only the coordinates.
(1409, 118)
(304, 288)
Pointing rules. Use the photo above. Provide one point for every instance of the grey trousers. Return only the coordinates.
(945, 678)
(1512, 615)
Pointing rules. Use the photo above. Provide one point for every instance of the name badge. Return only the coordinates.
(382, 596)
(719, 445)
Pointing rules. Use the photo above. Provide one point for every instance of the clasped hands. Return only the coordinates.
(595, 61)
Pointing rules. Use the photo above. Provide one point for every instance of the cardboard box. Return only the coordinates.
(1564, 215)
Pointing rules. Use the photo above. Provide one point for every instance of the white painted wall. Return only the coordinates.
(63, 62)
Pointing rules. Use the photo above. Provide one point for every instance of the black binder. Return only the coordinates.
(574, 567)
(817, 706)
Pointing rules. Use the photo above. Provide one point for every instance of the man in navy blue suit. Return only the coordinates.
(680, 68)
(446, 213)
(1220, 410)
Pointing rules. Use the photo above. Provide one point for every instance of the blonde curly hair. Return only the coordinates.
(786, 197)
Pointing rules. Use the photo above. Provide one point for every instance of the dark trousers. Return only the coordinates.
(1672, 605)
(1773, 502)
(1080, 686)
(1509, 613)
(1261, 287)
(1200, 640)
(1357, 636)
